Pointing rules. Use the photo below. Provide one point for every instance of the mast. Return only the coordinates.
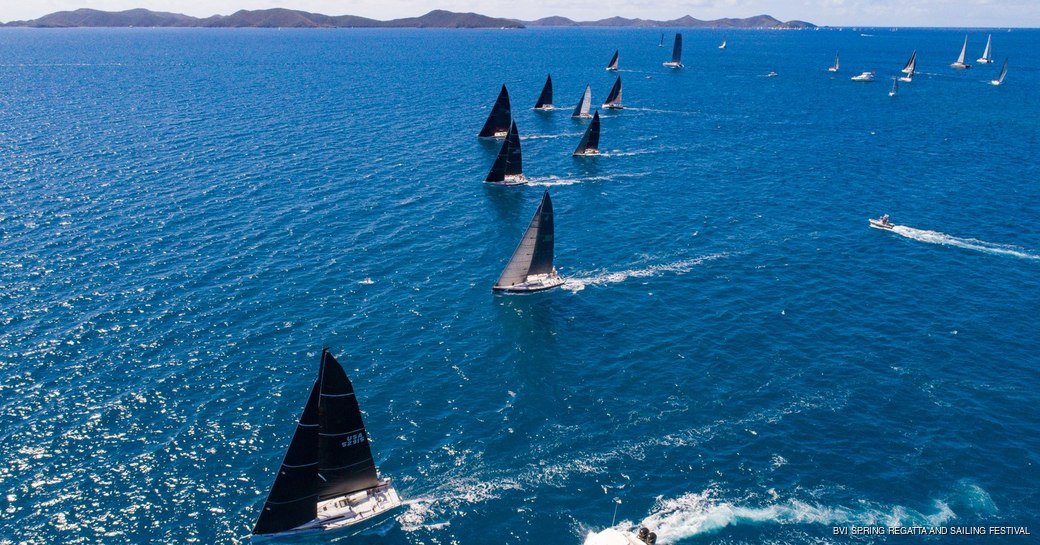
(589, 144)
(960, 59)
(534, 254)
(614, 97)
(585, 104)
(345, 462)
(986, 57)
(662, 40)
(613, 64)
(677, 49)
(293, 499)
(497, 123)
(545, 101)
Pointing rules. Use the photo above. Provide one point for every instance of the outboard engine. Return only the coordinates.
(651, 539)
(643, 532)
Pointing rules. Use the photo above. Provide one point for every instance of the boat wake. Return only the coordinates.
(630, 153)
(702, 513)
(553, 181)
(578, 283)
(657, 111)
(935, 237)
(550, 136)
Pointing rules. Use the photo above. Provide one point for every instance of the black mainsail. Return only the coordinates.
(589, 144)
(497, 124)
(676, 61)
(533, 256)
(613, 64)
(585, 104)
(293, 499)
(613, 101)
(545, 101)
(508, 166)
(345, 462)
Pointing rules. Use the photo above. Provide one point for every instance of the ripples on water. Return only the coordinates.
(187, 216)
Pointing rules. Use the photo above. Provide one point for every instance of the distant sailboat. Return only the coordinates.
(910, 69)
(508, 168)
(662, 40)
(895, 87)
(497, 124)
(585, 104)
(545, 101)
(589, 144)
(612, 65)
(837, 64)
(987, 57)
(960, 60)
(613, 101)
(676, 61)
(328, 479)
(723, 44)
(531, 267)
(1000, 78)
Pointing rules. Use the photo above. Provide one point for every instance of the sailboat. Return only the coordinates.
(960, 60)
(589, 144)
(987, 57)
(531, 267)
(836, 64)
(723, 44)
(613, 101)
(497, 124)
(676, 61)
(612, 65)
(328, 479)
(508, 168)
(910, 69)
(585, 104)
(1000, 78)
(895, 87)
(662, 40)
(545, 102)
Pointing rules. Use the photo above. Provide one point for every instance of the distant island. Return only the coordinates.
(287, 18)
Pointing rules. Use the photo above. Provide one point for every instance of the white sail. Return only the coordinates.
(837, 64)
(910, 63)
(585, 104)
(1003, 72)
(986, 55)
(895, 87)
(960, 59)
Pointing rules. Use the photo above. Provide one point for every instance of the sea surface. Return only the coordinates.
(188, 216)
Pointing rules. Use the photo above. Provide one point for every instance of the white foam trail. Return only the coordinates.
(578, 283)
(628, 153)
(658, 111)
(552, 181)
(935, 237)
(701, 513)
(550, 136)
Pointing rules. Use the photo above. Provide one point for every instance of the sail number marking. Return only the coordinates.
(353, 439)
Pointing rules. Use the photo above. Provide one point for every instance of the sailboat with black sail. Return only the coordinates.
(613, 101)
(508, 168)
(328, 479)
(959, 64)
(545, 100)
(531, 267)
(662, 40)
(613, 64)
(676, 61)
(589, 144)
(585, 104)
(497, 124)
(987, 55)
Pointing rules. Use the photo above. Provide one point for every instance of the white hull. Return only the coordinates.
(878, 224)
(672, 64)
(960, 65)
(984, 61)
(535, 282)
(996, 82)
(832, 69)
(546, 108)
(513, 179)
(613, 107)
(611, 536)
(346, 511)
(906, 79)
(587, 153)
(500, 134)
(865, 76)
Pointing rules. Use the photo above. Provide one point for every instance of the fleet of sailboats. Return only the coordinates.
(676, 61)
(328, 479)
(531, 266)
(959, 64)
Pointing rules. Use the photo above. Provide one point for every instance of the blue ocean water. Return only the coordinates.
(188, 216)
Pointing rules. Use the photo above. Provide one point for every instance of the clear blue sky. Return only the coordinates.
(955, 13)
